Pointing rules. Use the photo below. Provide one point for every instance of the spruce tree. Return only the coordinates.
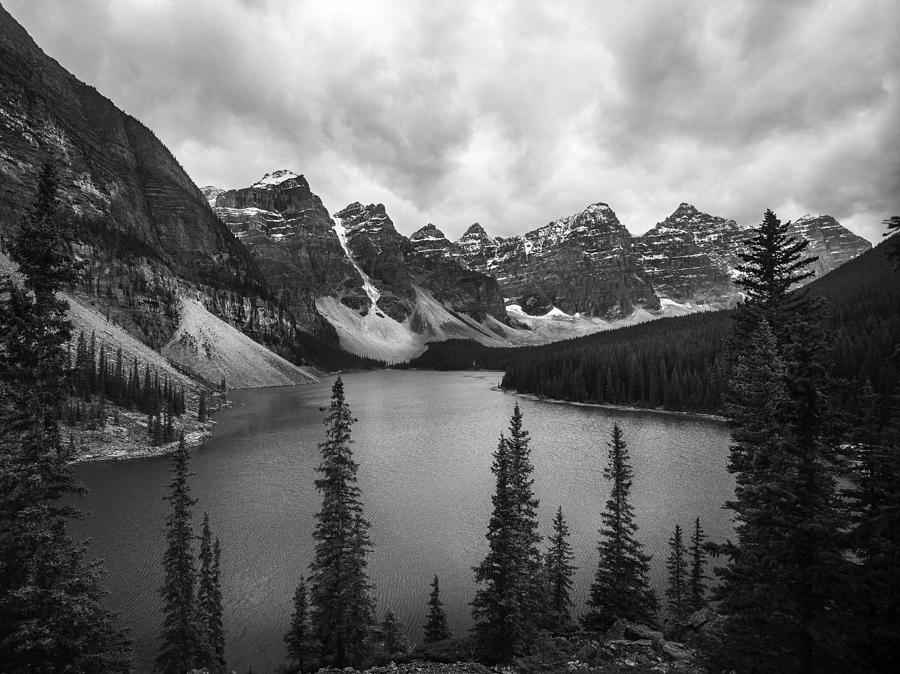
(181, 640)
(697, 589)
(436, 627)
(209, 603)
(392, 641)
(620, 588)
(677, 589)
(507, 606)
(299, 639)
(559, 571)
(339, 587)
(786, 581)
(50, 595)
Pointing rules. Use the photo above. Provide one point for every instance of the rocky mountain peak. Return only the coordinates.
(283, 178)
(370, 218)
(430, 242)
(429, 231)
(211, 193)
(833, 243)
(475, 229)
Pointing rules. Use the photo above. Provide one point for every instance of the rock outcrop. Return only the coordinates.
(291, 236)
(436, 265)
(691, 257)
(586, 263)
(380, 252)
(833, 243)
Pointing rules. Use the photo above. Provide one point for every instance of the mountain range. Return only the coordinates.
(387, 294)
(271, 261)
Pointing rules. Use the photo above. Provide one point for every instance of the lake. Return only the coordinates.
(423, 442)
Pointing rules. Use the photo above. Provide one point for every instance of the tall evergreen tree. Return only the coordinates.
(677, 589)
(436, 627)
(697, 589)
(300, 642)
(209, 603)
(559, 571)
(781, 590)
(507, 607)
(49, 594)
(181, 643)
(621, 588)
(340, 591)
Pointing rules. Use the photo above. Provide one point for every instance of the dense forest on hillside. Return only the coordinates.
(678, 363)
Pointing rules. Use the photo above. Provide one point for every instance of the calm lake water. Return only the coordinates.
(424, 442)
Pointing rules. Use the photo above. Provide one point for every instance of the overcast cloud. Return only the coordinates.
(512, 113)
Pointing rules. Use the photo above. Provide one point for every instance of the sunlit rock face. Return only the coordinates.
(833, 243)
(691, 257)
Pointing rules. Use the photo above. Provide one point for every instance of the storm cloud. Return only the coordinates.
(512, 113)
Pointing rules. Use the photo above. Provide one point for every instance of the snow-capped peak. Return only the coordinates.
(275, 178)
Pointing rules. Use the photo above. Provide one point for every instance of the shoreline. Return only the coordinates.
(610, 406)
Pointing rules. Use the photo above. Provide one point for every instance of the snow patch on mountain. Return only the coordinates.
(375, 335)
(373, 292)
(275, 178)
(206, 345)
(379, 336)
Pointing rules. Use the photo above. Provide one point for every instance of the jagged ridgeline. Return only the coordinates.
(269, 260)
(678, 363)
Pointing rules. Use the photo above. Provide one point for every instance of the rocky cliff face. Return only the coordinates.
(833, 243)
(590, 264)
(586, 263)
(436, 264)
(111, 166)
(291, 236)
(380, 252)
(143, 229)
(691, 255)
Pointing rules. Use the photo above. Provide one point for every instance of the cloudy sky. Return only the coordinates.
(512, 113)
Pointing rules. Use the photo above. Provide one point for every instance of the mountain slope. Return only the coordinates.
(111, 167)
(210, 348)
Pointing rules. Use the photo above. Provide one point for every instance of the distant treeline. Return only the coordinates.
(678, 363)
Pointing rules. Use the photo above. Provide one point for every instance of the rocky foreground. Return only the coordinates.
(625, 647)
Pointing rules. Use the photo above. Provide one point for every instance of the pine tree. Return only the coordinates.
(181, 634)
(697, 589)
(620, 588)
(787, 575)
(559, 571)
(302, 649)
(209, 603)
(50, 613)
(393, 643)
(436, 627)
(340, 591)
(507, 607)
(677, 589)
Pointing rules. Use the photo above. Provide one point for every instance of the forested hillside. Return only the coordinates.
(678, 363)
